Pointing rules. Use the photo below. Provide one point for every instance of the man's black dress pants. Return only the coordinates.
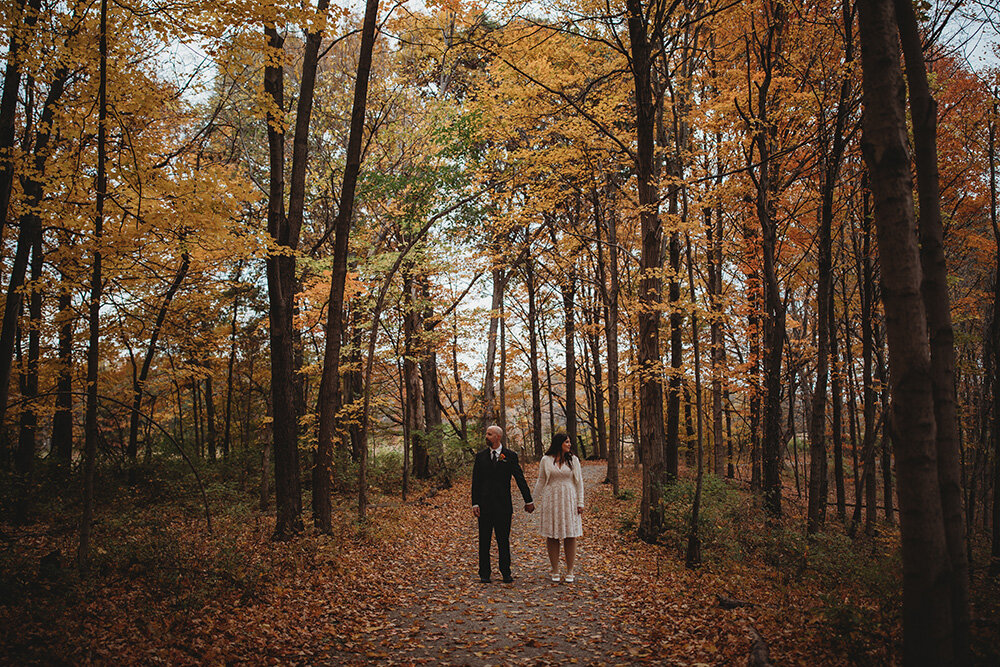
(494, 522)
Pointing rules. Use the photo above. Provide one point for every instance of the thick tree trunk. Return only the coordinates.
(928, 617)
(991, 348)
(774, 308)
(433, 423)
(281, 287)
(651, 434)
(937, 302)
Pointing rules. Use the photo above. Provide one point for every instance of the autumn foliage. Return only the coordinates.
(269, 271)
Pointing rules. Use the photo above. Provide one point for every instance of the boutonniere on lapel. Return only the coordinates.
(502, 457)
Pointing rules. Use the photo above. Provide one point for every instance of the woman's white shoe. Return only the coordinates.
(569, 578)
(554, 576)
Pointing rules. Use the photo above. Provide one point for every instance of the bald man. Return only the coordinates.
(491, 500)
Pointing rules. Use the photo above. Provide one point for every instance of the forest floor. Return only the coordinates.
(402, 588)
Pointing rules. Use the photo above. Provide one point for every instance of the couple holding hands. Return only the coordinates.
(559, 490)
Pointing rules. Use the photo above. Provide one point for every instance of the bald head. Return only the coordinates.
(494, 434)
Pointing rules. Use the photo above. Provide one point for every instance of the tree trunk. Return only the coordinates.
(928, 616)
(774, 313)
(568, 296)
(139, 381)
(411, 379)
(27, 15)
(937, 302)
(433, 428)
(30, 233)
(213, 434)
(818, 485)
(463, 418)
(548, 372)
(62, 420)
(991, 348)
(651, 433)
(836, 374)
(96, 287)
(601, 443)
(502, 406)
(609, 296)
(536, 390)
(489, 414)
(230, 375)
(26, 441)
(281, 287)
(330, 400)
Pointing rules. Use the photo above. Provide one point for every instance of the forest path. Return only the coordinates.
(446, 616)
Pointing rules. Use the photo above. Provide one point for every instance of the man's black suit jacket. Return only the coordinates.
(491, 481)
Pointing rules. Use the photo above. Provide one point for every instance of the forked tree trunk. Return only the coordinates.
(281, 287)
(937, 302)
(928, 614)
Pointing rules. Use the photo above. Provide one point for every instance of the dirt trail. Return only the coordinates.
(446, 616)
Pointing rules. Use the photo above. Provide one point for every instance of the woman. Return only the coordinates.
(559, 491)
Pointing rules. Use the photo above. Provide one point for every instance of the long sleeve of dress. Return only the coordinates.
(578, 482)
(540, 484)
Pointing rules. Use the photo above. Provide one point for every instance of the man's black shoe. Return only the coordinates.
(485, 580)
(508, 580)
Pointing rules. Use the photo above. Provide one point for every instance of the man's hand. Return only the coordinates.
(579, 510)
(475, 511)
(529, 508)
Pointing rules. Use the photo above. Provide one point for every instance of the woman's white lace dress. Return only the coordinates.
(558, 492)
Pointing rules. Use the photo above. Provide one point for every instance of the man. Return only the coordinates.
(491, 501)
